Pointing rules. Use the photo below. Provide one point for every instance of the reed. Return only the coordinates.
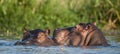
(16, 14)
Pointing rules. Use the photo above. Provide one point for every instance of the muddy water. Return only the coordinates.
(7, 47)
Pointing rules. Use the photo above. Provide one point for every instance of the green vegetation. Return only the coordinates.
(16, 14)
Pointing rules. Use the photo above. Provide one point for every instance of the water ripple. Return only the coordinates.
(7, 47)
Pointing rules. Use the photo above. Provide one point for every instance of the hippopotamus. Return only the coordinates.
(36, 37)
(66, 37)
(76, 36)
(60, 35)
(82, 34)
(90, 35)
(74, 39)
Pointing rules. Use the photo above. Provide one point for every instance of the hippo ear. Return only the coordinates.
(47, 32)
(87, 27)
(25, 34)
(77, 26)
(94, 23)
(25, 30)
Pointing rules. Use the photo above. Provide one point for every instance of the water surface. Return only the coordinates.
(7, 47)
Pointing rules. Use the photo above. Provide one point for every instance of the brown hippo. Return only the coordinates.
(36, 37)
(60, 35)
(91, 35)
(76, 37)
(66, 36)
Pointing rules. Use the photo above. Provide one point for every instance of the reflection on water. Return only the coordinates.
(7, 47)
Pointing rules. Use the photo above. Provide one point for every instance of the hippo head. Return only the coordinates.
(84, 28)
(95, 36)
(60, 36)
(33, 37)
(80, 28)
(91, 26)
(42, 36)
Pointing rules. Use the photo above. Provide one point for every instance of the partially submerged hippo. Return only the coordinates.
(66, 37)
(83, 34)
(91, 35)
(76, 36)
(60, 35)
(74, 39)
(36, 37)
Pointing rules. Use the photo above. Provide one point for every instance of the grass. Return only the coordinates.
(16, 14)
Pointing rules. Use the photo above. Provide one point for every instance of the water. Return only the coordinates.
(7, 47)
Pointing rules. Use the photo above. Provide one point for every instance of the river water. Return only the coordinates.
(7, 47)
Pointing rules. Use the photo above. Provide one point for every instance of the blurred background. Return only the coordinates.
(43, 14)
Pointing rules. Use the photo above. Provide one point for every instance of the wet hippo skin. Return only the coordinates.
(36, 37)
(74, 39)
(82, 34)
(91, 35)
(94, 37)
(76, 36)
(60, 35)
(66, 37)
